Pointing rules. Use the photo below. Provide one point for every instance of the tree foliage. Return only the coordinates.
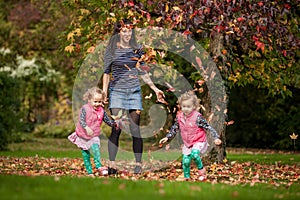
(259, 39)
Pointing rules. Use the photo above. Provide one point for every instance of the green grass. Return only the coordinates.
(266, 158)
(66, 187)
(18, 187)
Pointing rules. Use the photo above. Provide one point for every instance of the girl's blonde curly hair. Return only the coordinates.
(89, 94)
(189, 95)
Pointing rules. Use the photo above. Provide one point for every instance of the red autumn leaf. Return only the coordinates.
(255, 38)
(187, 32)
(131, 3)
(219, 28)
(287, 6)
(260, 3)
(145, 68)
(284, 53)
(240, 19)
(260, 45)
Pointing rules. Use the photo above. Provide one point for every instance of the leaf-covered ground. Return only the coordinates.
(230, 173)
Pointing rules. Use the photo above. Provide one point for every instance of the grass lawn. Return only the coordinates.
(47, 187)
(223, 183)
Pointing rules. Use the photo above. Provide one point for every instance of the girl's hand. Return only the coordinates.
(89, 131)
(218, 142)
(164, 140)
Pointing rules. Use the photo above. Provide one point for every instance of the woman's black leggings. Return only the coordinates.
(137, 141)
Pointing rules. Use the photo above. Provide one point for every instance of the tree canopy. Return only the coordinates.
(253, 42)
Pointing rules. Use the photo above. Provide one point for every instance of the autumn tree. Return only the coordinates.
(250, 42)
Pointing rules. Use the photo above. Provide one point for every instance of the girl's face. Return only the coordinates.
(96, 101)
(187, 106)
(125, 35)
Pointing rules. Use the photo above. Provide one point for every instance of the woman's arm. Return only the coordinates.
(159, 94)
(106, 78)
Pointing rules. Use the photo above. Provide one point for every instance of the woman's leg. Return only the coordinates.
(137, 144)
(113, 140)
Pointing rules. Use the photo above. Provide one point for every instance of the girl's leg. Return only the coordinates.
(201, 170)
(97, 160)
(96, 153)
(186, 163)
(87, 162)
(137, 144)
(196, 156)
(113, 142)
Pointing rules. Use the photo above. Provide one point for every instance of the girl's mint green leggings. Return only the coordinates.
(87, 158)
(186, 162)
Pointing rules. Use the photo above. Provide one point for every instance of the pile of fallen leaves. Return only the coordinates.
(230, 173)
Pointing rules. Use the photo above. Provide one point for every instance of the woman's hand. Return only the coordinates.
(105, 101)
(160, 96)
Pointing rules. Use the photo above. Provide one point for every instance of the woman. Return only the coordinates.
(121, 61)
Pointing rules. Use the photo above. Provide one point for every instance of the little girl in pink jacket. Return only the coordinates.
(86, 135)
(192, 127)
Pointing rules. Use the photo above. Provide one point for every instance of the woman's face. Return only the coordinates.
(125, 35)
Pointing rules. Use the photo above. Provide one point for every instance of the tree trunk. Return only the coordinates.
(216, 111)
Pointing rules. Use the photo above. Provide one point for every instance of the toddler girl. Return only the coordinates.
(192, 127)
(86, 135)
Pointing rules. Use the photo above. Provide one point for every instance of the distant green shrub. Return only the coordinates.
(9, 106)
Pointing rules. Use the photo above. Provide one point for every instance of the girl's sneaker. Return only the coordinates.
(202, 174)
(103, 171)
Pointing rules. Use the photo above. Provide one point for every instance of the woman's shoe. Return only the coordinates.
(112, 171)
(137, 169)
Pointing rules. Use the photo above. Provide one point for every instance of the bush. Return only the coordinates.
(10, 105)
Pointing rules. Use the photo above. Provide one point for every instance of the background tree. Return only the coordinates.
(31, 59)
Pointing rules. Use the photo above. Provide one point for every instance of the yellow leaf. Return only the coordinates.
(84, 11)
(294, 136)
(69, 48)
(167, 8)
(130, 13)
(118, 116)
(77, 32)
(176, 8)
(158, 19)
(70, 36)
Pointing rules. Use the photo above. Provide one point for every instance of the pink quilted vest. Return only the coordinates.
(93, 120)
(190, 132)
